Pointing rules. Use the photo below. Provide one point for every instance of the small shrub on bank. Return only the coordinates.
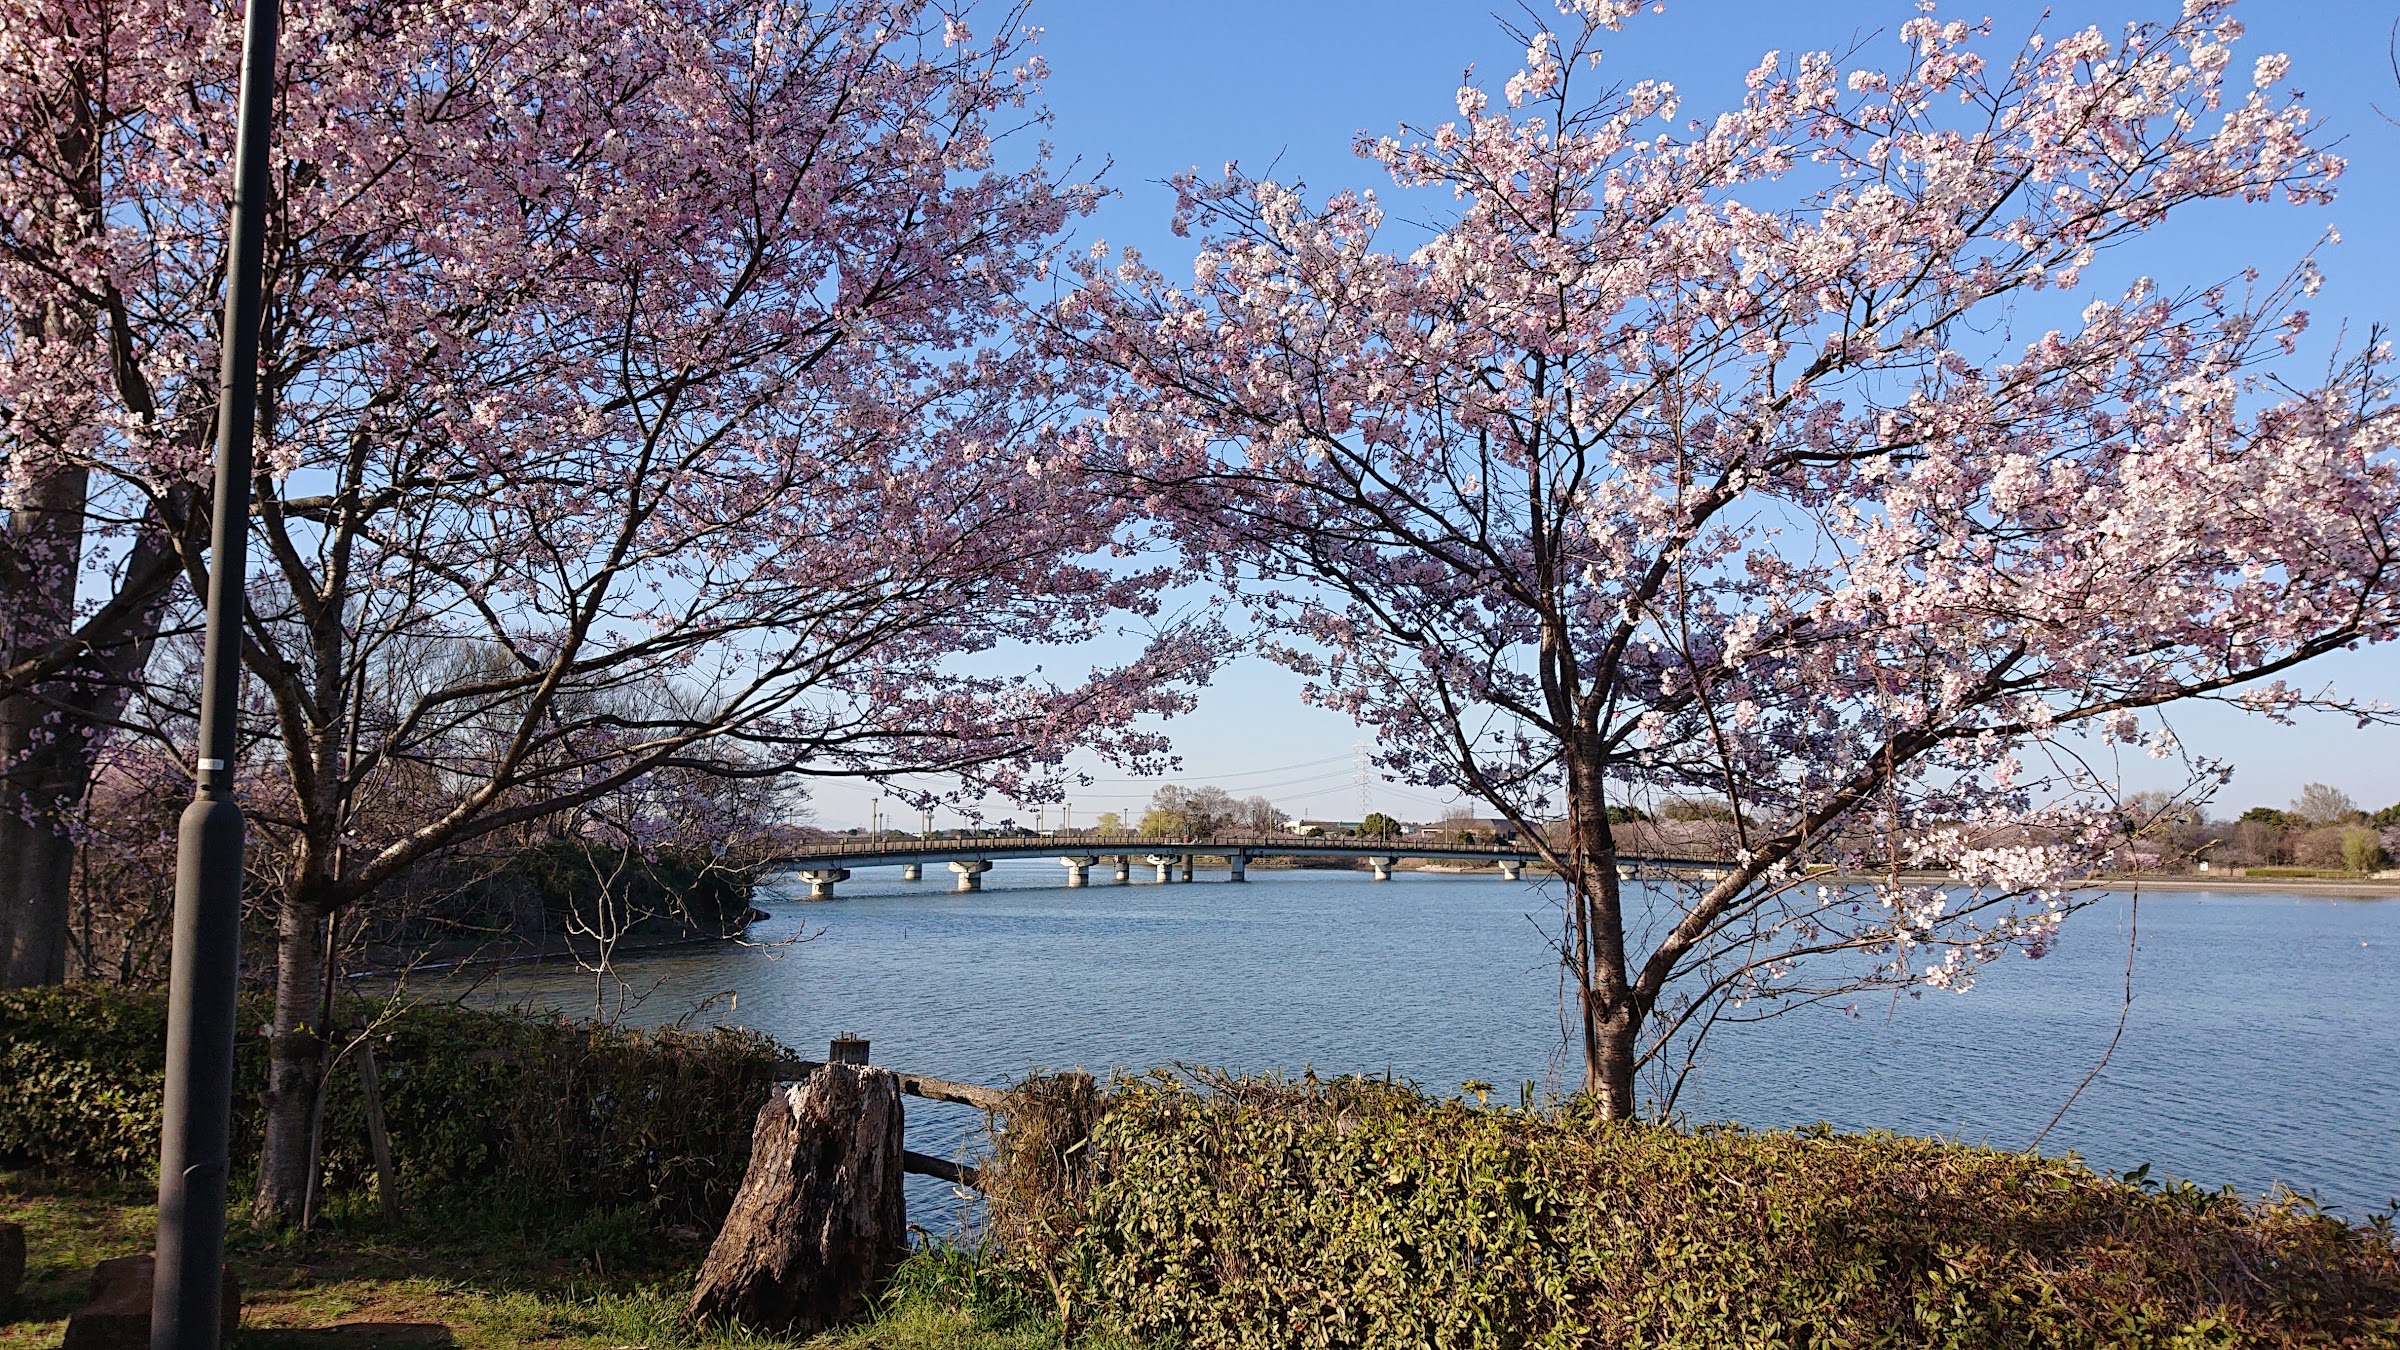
(1362, 1214)
(554, 1116)
(2300, 873)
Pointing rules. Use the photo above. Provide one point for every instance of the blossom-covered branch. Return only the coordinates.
(1793, 457)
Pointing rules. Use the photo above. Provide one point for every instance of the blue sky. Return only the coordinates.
(1152, 89)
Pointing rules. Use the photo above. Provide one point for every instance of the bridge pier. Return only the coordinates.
(970, 874)
(820, 880)
(1509, 868)
(912, 872)
(1124, 869)
(1165, 863)
(1187, 867)
(1237, 863)
(1382, 863)
(1079, 870)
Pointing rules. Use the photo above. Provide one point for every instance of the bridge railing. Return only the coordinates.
(1072, 842)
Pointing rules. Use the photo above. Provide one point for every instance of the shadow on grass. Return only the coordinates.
(352, 1336)
(485, 1276)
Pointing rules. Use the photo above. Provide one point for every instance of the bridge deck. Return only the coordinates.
(870, 853)
(989, 848)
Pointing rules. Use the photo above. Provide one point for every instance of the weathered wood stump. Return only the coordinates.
(12, 1261)
(116, 1310)
(819, 1223)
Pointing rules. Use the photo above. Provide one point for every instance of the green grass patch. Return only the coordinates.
(453, 1282)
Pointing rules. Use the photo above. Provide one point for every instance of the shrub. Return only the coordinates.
(1357, 1213)
(2295, 873)
(543, 1111)
(1040, 1173)
(2362, 850)
(2321, 847)
(82, 1070)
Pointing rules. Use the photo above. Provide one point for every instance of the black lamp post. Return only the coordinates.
(192, 1160)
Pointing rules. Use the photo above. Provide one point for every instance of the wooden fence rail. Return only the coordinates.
(915, 1085)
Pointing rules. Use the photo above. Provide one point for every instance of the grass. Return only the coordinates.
(470, 1281)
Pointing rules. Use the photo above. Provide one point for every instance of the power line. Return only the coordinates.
(1238, 773)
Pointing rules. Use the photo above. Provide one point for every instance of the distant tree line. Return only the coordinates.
(2322, 827)
(1178, 812)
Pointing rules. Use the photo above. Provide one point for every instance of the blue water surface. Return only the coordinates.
(2261, 1048)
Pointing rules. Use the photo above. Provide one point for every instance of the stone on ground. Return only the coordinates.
(116, 1310)
(819, 1223)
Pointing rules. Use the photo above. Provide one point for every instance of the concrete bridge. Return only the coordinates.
(823, 865)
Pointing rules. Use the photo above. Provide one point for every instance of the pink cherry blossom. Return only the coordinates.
(638, 400)
(1789, 457)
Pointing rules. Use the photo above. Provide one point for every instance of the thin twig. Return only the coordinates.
(2133, 928)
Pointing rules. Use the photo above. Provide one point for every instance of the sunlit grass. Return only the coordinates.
(472, 1281)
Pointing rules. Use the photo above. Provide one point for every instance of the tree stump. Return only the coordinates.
(819, 1223)
(116, 1310)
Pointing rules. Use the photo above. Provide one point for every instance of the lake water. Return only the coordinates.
(2262, 1047)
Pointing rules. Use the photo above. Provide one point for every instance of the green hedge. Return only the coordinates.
(2302, 873)
(1361, 1214)
(544, 1111)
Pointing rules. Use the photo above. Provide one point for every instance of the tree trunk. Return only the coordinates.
(1613, 1040)
(1612, 1019)
(41, 559)
(820, 1222)
(46, 759)
(44, 550)
(295, 1047)
(37, 860)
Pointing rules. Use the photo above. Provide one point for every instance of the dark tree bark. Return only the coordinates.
(41, 751)
(820, 1222)
(47, 742)
(295, 1052)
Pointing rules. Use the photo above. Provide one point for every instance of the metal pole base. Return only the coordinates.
(189, 1284)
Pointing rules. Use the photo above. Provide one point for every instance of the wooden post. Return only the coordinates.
(848, 1048)
(379, 1140)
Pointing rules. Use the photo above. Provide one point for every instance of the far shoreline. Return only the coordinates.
(2358, 888)
(2364, 888)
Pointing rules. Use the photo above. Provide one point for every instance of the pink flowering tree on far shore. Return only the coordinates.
(1791, 457)
(636, 406)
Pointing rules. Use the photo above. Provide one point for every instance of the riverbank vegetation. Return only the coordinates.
(1245, 1213)
(559, 1181)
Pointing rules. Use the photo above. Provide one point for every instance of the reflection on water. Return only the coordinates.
(2263, 1044)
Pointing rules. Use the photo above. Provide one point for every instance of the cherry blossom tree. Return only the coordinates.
(83, 573)
(1794, 457)
(635, 402)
